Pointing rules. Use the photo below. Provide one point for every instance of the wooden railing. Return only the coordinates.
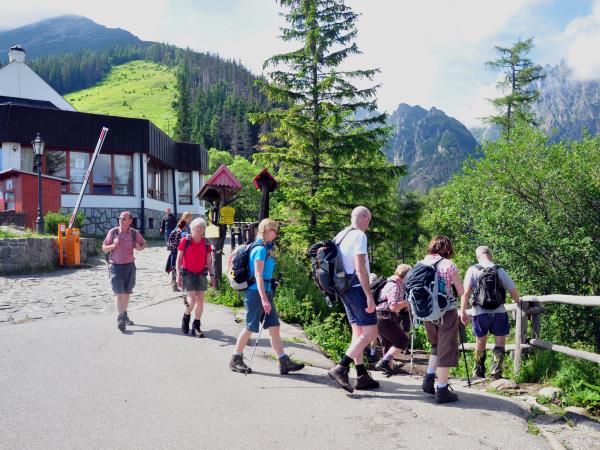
(529, 308)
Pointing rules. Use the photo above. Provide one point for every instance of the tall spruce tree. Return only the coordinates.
(519, 74)
(183, 128)
(327, 160)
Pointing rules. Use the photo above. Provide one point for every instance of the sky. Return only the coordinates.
(430, 52)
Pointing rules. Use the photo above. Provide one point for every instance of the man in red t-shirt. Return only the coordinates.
(194, 262)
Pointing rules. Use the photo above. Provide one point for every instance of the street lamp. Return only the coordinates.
(38, 149)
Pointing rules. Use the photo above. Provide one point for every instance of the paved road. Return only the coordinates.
(72, 380)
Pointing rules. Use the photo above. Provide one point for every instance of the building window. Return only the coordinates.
(78, 166)
(184, 188)
(27, 159)
(9, 195)
(158, 186)
(150, 223)
(111, 175)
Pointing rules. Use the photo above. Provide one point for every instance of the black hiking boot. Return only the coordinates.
(384, 366)
(497, 363)
(185, 324)
(443, 395)
(121, 321)
(339, 374)
(364, 382)
(287, 365)
(128, 321)
(428, 384)
(479, 364)
(196, 331)
(237, 364)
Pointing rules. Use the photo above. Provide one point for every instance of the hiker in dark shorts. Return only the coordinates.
(258, 302)
(358, 302)
(120, 243)
(194, 263)
(167, 224)
(392, 336)
(486, 319)
(443, 335)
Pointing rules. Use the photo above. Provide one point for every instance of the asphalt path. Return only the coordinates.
(77, 382)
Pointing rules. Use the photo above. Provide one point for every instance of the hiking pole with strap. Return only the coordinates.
(260, 328)
(462, 332)
(412, 340)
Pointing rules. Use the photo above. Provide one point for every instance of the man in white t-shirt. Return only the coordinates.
(358, 301)
(491, 320)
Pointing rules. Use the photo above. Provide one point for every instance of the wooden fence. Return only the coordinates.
(530, 309)
(12, 218)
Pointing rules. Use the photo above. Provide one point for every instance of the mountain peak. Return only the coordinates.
(62, 34)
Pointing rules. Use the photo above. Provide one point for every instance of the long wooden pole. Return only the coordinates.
(564, 299)
(593, 357)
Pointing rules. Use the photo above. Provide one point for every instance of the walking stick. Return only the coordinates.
(260, 328)
(462, 332)
(412, 340)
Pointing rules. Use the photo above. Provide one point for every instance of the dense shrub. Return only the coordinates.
(53, 219)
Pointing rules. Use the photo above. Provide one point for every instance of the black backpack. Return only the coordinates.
(173, 241)
(426, 293)
(327, 268)
(377, 286)
(114, 234)
(489, 292)
(238, 266)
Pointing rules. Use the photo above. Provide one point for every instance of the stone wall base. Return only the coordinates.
(29, 255)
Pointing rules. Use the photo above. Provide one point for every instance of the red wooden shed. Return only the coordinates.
(18, 192)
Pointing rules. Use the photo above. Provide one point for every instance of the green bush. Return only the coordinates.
(332, 335)
(53, 219)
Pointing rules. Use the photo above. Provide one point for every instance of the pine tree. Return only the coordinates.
(183, 128)
(519, 74)
(328, 161)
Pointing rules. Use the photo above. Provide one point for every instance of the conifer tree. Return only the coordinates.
(328, 160)
(519, 74)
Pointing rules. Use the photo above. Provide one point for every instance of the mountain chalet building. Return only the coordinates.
(139, 168)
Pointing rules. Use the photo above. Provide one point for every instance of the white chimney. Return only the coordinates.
(16, 54)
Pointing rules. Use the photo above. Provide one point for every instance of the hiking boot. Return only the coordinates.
(287, 365)
(384, 366)
(196, 331)
(497, 363)
(121, 321)
(479, 364)
(128, 321)
(443, 395)
(428, 384)
(339, 374)
(364, 382)
(237, 364)
(185, 324)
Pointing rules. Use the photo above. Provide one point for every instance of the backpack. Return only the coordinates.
(489, 292)
(377, 286)
(188, 241)
(114, 234)
(426, 293)
(238, 266)
(174, 239)
(327, 268)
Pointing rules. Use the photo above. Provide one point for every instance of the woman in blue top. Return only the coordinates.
(258, 301)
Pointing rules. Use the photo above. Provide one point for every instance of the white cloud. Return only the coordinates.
(582, 54)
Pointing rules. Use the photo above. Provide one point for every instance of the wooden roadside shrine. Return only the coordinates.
(219, 190)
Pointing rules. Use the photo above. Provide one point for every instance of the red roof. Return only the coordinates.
(223, 178)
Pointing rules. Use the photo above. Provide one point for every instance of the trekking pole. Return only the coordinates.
(462, 331)
(260, 328)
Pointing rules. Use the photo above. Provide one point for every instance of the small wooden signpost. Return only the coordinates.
(219, 190)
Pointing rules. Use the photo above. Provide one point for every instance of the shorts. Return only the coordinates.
(194, 281)
(122, 277)
(390, 331)
(443, 338)
(255, 311)
(355, 302)
(494, 323)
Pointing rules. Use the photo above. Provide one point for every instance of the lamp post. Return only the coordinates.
(38, 149)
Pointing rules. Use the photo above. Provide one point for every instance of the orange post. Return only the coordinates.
(72, 246)
(61, 244)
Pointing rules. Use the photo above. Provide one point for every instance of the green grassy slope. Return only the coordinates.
(138, 89)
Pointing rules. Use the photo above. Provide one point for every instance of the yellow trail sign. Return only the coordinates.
(226, 216)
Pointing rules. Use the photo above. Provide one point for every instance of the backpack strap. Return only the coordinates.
(348, 230)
